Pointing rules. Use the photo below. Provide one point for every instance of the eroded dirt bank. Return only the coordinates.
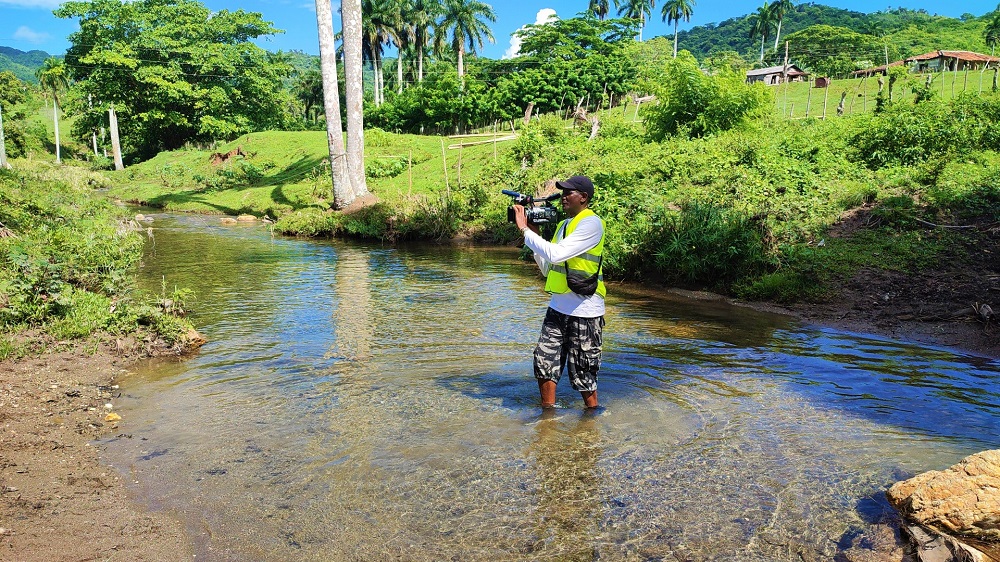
(58, 500)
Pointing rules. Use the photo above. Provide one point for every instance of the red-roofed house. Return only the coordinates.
(936, 61)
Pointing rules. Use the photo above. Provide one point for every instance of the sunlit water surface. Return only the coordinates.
(370, 403)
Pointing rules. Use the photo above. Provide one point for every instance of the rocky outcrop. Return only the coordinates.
(954, 512)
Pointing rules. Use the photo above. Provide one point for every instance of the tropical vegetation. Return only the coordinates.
(69, 258)
(704, 179)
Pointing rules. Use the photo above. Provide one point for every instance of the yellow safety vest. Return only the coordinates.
(586, 264)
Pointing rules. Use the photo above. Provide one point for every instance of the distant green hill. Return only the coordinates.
(910, 32)
(22, 64)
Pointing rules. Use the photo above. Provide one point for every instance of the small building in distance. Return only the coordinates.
(936, 61)
(774, 75)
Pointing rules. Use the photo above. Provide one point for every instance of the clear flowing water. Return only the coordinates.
(372, 403)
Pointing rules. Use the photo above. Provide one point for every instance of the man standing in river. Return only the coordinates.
(572, 330)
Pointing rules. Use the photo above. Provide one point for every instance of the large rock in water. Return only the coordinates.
(963, 500)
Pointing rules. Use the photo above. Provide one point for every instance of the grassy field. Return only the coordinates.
(285, 171)
(798, 99)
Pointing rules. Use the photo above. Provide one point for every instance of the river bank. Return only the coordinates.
(58, 499)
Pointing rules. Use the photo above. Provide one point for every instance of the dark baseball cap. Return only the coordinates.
(577, 183)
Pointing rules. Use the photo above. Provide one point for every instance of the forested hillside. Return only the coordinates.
(907, 32)
(22, 64)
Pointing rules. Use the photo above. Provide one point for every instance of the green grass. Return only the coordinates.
(793, 99)
(287, 171)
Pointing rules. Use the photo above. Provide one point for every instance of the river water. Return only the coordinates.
(360, 402)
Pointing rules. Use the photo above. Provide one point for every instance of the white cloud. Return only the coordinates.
(545, 15)
(46, 4)
(25, 33)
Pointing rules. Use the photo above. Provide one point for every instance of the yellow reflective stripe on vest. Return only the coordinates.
(585, 264)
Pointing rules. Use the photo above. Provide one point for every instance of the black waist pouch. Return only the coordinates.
(581, 285)
(584, 286)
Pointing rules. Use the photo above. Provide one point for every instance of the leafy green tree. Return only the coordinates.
(53, 79)
(693, 103)
(12, 90)
(676, 10)
(574, 38)
(175, 72)
(778, 10)
(730, 61)
(464, 21)
(830, 51)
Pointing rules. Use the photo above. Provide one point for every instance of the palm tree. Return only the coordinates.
(992, 32)
(343, 194)
(400, 32)
(375, 24)
(760, 25)
(52, 77)
(463, 21)
(422, 15)
(352, 17)
(638, 10)
(778, 10)
(674, 11)
(599, 8)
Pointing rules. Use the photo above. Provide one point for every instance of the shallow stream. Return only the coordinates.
(376, 403)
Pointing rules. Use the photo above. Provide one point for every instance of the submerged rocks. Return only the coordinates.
(962, 501)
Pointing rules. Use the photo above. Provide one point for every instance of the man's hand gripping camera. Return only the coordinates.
(538, 212)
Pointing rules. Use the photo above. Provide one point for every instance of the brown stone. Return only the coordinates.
(963, 500)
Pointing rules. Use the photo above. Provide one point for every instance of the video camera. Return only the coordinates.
(544, 213)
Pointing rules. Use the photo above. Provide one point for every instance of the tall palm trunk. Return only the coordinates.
(461, 63)
(379, 81)
(55, 120)
(342, 192)
(399, 72)
(778, 36)
(676, 22)
(762, 37)
(420, 64)
(351, 15)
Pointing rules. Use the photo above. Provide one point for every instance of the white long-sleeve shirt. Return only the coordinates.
(586, 236)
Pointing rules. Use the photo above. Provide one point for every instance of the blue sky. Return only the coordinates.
(29, 24)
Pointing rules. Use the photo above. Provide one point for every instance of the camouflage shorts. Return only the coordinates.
(571, 342)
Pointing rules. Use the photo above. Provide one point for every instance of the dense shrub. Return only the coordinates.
(906, 134)
(694, 103)
(69, 257)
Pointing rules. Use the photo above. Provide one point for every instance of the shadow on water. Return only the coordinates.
(347, 388)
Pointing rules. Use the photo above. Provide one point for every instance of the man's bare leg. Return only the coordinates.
(589, 399)
(547, 389)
